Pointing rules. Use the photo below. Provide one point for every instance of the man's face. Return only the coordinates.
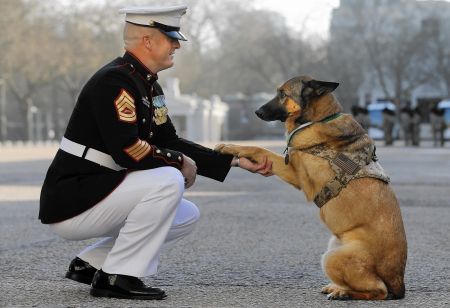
(163, 50)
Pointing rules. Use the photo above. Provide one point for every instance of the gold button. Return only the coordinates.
(158, 151)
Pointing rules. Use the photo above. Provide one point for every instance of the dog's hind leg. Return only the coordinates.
(333, 243)
(352, 270)
(392, 275)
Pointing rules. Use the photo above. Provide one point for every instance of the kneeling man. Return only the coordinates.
(121, 169)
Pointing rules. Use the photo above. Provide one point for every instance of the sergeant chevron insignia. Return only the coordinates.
(138, 150)
(126, 110)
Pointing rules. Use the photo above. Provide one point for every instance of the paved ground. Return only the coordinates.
(258, 243)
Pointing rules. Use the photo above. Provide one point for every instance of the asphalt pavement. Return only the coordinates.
(257, 244)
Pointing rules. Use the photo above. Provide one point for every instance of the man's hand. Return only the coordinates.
(264, 168)
(189, 171)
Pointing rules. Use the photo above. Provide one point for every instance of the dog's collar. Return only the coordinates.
(324, 120)
(331, 117)
(289, 137)
(301, 127)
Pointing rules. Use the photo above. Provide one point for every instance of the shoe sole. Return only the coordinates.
(79, 278)
(108, 293)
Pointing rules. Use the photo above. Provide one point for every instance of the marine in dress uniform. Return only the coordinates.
(437, 125)
(388, 125)
(415, 123)
(406, 114)
(117, 173)
(361, 115)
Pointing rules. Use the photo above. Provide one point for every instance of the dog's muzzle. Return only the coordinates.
(260, 114)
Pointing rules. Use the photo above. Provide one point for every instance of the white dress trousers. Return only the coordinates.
(143, 215)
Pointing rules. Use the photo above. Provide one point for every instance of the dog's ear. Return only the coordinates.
(318, 87)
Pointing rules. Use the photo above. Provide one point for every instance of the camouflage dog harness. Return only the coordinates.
(347, 166)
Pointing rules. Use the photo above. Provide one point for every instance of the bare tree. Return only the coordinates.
(439, 46)
(11, 23)
(255, 51)
(197, 64)
(391, 40)
(345, 63)
(86, 38)
(443, 64)
(29, 62)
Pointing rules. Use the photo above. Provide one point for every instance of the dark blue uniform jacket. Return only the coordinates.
(121, 112)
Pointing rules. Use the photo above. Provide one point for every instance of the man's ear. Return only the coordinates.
(318, 87)
(147, 42)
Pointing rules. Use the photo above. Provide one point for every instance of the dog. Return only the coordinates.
(332, 159)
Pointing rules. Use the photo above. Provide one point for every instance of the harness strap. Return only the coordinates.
(328, 192)
(301, 127)
(346, 167)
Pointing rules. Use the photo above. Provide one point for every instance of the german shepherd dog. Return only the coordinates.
(367, 253)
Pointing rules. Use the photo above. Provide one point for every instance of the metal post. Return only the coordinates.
(30, 122)
(39, 125)
(3, 118)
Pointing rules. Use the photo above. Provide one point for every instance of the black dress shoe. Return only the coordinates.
(123, 286)
(80, 271)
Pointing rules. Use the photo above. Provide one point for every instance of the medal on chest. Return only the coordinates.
(160, 110)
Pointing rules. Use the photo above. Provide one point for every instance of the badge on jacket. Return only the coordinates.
(160, 112)
(146, 102)
(126, 110)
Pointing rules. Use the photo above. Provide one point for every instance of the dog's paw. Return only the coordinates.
(329, 288)
(227, 149)
(339, 294)
(335, 292)
(219, 147)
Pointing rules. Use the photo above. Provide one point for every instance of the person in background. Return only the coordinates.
(361, 115)
(437, 125)
(121, 169)
(388, 125)
(415, 124)
(406, 114)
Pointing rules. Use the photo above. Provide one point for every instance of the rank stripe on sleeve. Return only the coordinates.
(138, 150)
(126, 110)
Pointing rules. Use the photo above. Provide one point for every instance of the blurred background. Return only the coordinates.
(391, 58)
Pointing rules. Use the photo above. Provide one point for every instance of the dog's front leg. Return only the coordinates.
(257, 154)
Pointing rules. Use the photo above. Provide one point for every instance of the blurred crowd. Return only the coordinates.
(409, 120)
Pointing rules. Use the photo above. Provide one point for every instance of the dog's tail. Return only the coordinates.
(396, 288)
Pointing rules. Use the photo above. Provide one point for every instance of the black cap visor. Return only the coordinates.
(175, 35)
(172, 32)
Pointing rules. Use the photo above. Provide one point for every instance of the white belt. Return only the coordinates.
(90, 154)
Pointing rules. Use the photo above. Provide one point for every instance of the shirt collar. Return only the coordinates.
(140, 67)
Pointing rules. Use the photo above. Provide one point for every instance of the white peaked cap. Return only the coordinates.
(166, 19)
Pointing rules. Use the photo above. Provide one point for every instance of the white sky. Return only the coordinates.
(312, 16)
